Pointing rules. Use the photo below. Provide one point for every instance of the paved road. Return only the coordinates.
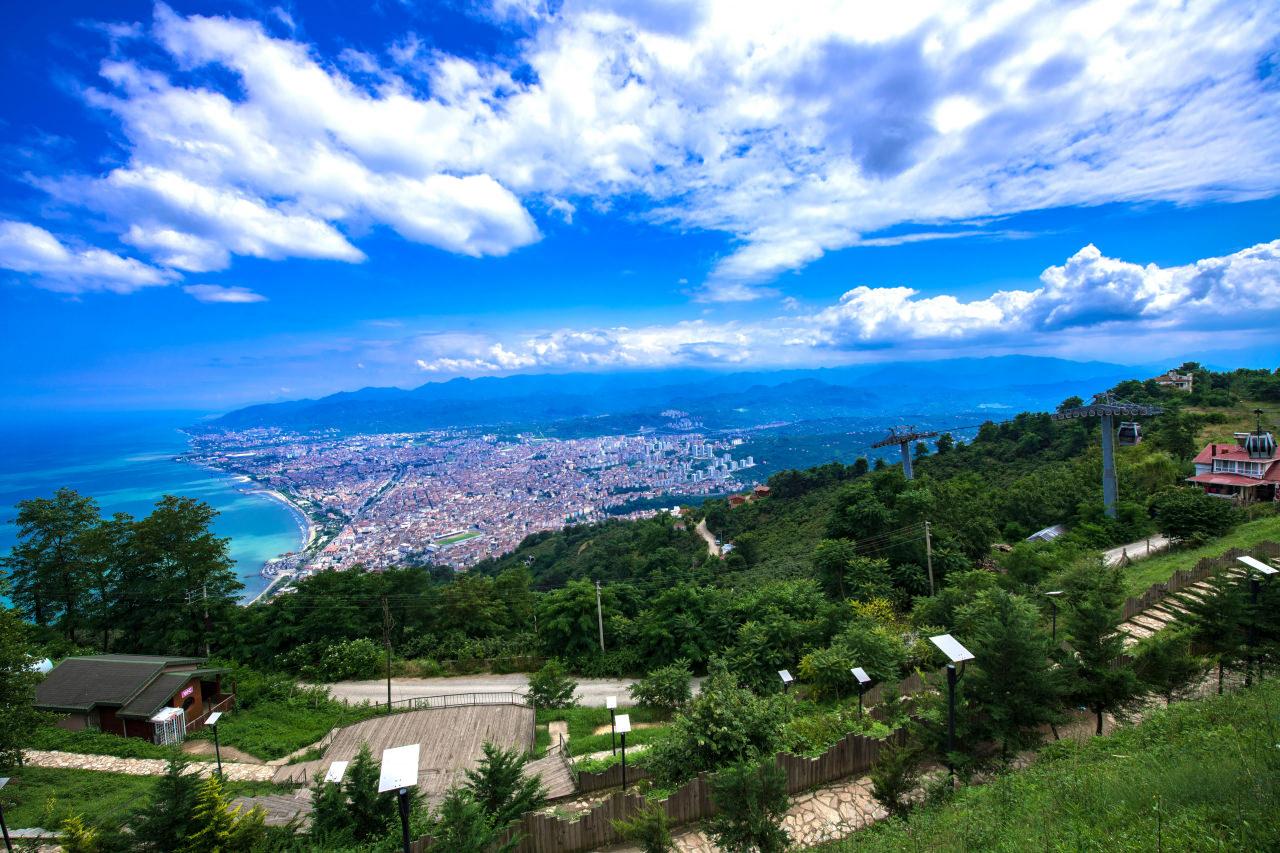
(591, 691)
(1136, 550)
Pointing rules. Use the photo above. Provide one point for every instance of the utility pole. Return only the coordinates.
(204, 591)
(600, 617)
(386, 640)
(928, 554)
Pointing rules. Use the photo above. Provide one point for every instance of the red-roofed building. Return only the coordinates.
(1247, 471)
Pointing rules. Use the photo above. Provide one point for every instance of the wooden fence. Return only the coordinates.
(1184, 578)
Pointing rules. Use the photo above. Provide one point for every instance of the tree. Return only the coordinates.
(751, 801)
(180, 580)
(371, 812)
(665, 688)
(218, 828)
(831, 558)
(76, 837)
(330, 816)
(827, 672)
(551, 687)
(1072, 402)
(567, 618)
(47, 566)
(725, 723)
(1098, 676)
(1216, 620)
(649, 828)
(945, 443)
(894, 775)
(460, 823)
(167, 821)
(18, 719)
(1163, 661)
(1013, 688)
(1188, 515)
(500, 787)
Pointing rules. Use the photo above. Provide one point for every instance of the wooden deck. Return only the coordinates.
(451, 741)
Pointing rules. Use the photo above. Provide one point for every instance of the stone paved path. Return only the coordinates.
(143, 766)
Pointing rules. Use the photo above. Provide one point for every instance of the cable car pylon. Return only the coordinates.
(903, 436)
(1108, 409)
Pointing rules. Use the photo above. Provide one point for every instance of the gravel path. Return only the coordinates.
(234, 771)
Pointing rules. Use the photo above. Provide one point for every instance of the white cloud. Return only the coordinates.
(221, 294)
(1089, 296)
(29, 249)
(793, 130)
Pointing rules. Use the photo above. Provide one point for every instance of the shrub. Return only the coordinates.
(665, 688)
(894, 775)
(550, 687)
(648, 828)
(751, 801)
(1188, 515)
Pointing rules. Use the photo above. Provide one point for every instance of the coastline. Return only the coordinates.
(305, 524)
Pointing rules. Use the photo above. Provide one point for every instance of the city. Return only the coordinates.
(453, 497)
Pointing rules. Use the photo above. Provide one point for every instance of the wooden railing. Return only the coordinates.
(1184, 578)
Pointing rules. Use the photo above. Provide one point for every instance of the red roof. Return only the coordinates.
(1228, 451)
(1224, 480)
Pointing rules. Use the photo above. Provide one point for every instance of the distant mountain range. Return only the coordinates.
(596, 403)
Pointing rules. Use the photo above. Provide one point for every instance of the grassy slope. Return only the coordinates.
(1202, 775)
(1144, 573)
(274, 730)
(91, 742)
(584, 721)
(45, 796)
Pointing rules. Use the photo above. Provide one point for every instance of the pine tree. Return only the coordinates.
(1099, 676)
(1217, 624)
(166, 822)
(371, 812)
(751, 801)
(500, 787)
(18, 719)
(461, 824)
(1163, 661)
(218, 828)
(330, 815)
(1012, 688)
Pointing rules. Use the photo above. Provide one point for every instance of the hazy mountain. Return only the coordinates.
(628, 401)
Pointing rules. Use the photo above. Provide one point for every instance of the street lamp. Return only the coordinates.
(785, 675)
(624, 726)
(958, 654)
(863, 680)
(1053, 602)
(212, 723)
(8, 845)
(1254, 586)
(399, 774)
(611, 702)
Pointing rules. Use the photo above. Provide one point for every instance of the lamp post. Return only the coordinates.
(1255, 586)
(957, 654)
(624, 726)
(1053, 603)
(785, 675)
(399, 774)
(611, 702)
(212, 722)
(863, 680)
(8, 845)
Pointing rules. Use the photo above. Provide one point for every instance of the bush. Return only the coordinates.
(751, 801)
(894, 775)
(648, 828)
(665, 688)
(347, 659)
(1189, 516)
(550, 687)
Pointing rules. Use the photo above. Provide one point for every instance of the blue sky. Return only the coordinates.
(213, 204)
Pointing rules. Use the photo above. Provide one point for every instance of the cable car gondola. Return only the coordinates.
(1130, 434)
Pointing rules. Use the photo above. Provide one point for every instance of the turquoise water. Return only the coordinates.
(127, 463)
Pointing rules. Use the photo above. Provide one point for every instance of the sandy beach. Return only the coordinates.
(309, 531)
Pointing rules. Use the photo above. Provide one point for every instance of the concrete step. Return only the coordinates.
(1147, 622)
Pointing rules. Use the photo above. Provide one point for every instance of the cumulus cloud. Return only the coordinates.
(795, 131)
(219, 293)
(32, 250)
(1088, 294)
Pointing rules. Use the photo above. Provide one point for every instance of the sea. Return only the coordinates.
(127, 462)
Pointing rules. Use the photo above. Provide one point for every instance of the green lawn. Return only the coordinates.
(1201, 775)
(584, 721)
(92, 742)
(45, 796)
(274, 730)
(1144, 573)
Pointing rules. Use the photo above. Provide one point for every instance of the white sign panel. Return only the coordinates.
(951, 648)
(624, 723)
(785, 675)
(861, 674)
(337, 770)
(611, 702)
(399, 768)
(213, 718)
(1258, 566)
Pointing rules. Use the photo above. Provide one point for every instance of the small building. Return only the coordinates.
(1247, 471)
(737, 500)
(762, 491)
(1048, 534)
(1175, 380)
(145, 696)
